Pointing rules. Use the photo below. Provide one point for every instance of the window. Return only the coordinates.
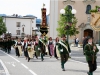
(18, 32)
(88, 9)
(17, 24)
(69, 7)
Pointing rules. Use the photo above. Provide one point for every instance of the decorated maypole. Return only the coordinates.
(44, 27)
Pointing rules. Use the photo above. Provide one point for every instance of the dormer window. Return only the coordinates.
(88, 8)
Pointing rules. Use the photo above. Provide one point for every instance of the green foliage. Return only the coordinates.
(95, 10)
(45, 39)
(2, 26)
(65, 21)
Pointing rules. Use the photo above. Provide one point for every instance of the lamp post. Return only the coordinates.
(62, 11)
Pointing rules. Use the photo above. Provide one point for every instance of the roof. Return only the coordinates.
(18, 16)
(2, 15)
(30, 16)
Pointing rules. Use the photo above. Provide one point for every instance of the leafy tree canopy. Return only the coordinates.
(3, 28)
(67, 24)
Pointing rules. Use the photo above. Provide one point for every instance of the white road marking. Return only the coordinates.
(7, 62)
(13, 65)
(6, 70)
(20, 63)
(32, 72)
(81, 62)
(24, 66)
(10, 56)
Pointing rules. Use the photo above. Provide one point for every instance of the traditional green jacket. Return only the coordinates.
(89, 53)
(61, 47)
(9, 42)
(5, 43)
(13, 42)
(41, 44)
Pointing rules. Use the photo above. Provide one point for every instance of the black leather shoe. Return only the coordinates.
(42, 59)
(63, 69)
(88, 73)
(28, 59)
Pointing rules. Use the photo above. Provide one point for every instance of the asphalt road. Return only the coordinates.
(50, 66)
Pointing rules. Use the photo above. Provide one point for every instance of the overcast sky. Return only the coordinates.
(23, 7)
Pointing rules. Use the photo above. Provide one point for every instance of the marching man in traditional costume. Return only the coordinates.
(91, 51)
(64, 49)
(42, 46)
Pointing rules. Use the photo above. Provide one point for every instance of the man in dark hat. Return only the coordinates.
(90, 53)
(64, 49)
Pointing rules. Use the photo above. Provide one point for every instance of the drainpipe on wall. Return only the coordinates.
(30, 27)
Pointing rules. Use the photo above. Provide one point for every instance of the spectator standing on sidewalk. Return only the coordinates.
(77, 41)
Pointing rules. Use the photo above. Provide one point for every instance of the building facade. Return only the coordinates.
(83, 15)
(18, 25)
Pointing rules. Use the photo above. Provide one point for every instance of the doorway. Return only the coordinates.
(88, 32)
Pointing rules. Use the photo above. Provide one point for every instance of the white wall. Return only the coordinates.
(53, 18)
(11, 25)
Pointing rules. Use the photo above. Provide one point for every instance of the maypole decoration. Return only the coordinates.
(95, 18)
(44, 27)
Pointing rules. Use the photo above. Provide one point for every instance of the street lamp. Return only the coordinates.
(8, 34)
(62, 11)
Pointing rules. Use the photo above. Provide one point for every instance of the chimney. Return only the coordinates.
(16, 15)
(13, 14)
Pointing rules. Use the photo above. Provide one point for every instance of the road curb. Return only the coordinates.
(5, 69)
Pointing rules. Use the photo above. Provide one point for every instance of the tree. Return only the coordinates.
(67, 24)
(3, 28)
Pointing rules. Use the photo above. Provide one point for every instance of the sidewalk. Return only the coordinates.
(3, 69)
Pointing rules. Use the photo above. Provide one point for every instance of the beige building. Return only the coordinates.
(82, 7)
